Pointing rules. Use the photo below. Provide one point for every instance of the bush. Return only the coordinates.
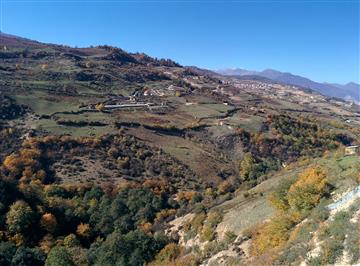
(207, 233)
(331, 250)
(167, 255)
(272, 234)
(230, 237)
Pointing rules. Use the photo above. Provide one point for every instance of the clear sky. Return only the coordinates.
(316, 39)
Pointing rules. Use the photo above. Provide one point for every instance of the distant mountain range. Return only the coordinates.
(349, 91)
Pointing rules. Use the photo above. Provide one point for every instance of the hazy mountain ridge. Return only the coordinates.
(349, 91)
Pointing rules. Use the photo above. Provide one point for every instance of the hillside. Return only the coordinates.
(349, 92)
(104, 152)
(254, 228)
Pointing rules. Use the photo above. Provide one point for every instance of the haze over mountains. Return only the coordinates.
(349, 91)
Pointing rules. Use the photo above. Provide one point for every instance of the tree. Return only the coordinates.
(134, 248)
(278, 198)
(71, 241)
(13, 164)
(19, 218)
(46, 243)
(225, 187)
(307, 191)
(59, 256)
(48, 222)
(246, 166)
(25, 256)
(83, 230)
(7, 251)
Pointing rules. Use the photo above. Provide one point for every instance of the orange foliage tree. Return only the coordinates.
(48, 222)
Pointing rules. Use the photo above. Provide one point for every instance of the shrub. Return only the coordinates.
(168, 254)
(272, 234)
(230, 237)
(207, 233)
(331, 250)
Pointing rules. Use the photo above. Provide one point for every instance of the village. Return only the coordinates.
(148, 98)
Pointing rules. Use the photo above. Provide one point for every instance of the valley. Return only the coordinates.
(102, 150)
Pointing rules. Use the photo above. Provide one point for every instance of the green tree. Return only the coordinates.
(25, 256)
(7, 251)
(19, 218)
(134, 248)
(59, 256)
(246, 166)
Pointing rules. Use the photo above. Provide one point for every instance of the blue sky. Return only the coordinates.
(316, 39)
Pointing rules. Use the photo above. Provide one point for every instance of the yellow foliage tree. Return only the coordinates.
(83, 230)
(25, 163)
(271, 235)
(307, 191)
(13, 164)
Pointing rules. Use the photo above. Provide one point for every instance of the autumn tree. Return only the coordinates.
(307, 191)
(271, 235)
(83, 230)
(48, 222)
(293, 200)
(46, 243)
(167, 255)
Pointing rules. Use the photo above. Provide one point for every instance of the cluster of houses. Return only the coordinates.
(141, 99)
(172, 90)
